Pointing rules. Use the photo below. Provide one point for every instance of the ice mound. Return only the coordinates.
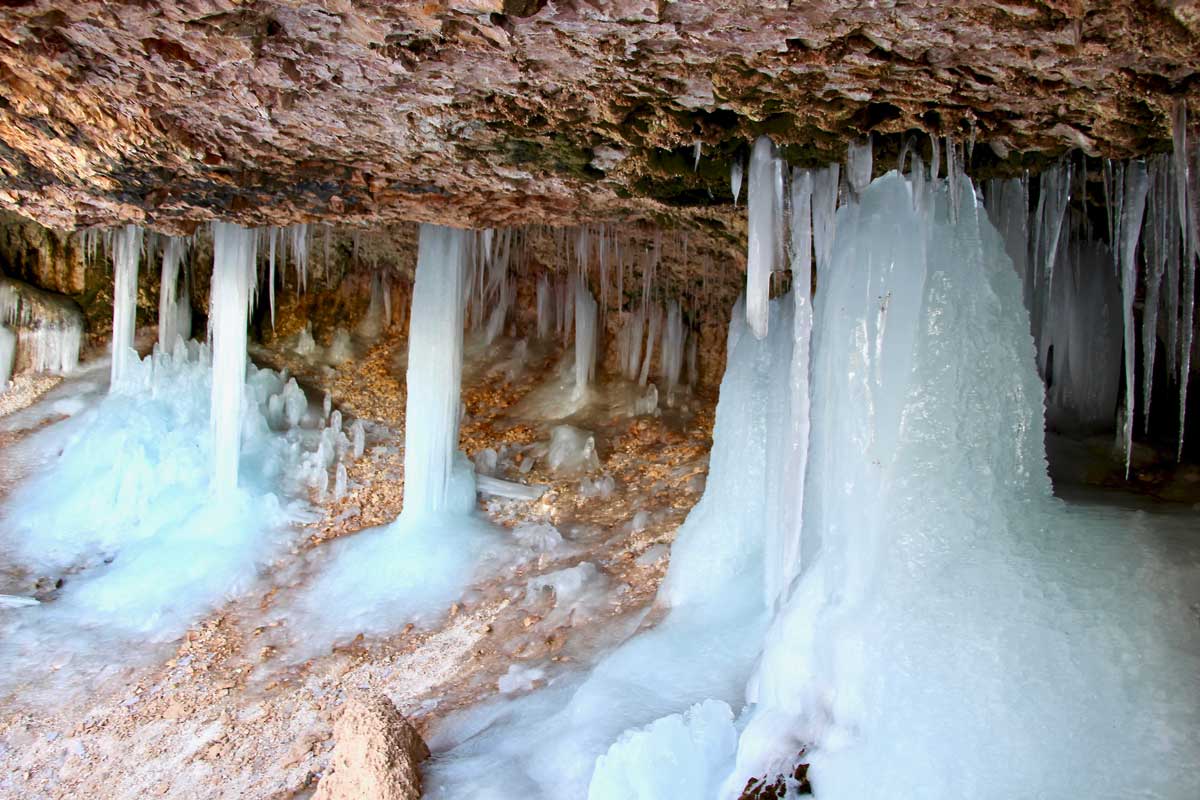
(124, 515)
(541, 537)
(577, 593)
(378, 580)
(681, 755)
(956, 631)
(572, 451)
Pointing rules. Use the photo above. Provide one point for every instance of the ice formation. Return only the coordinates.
(547, 742)
(411, 570)
(235, 250)
(126, 251)
(1136, 186)
(698, 741)
(48, 327)
(174, 305)
(123, 511)
(585, 337)
(434, 372)
(950, 630)
(671, 359)
(8, 354)
(919, 635)
(764, 206)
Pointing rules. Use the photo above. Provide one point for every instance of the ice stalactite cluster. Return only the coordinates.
(8, 354)
(878, 466)
(47, 327)
(1081, 285)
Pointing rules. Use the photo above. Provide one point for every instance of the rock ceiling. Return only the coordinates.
(502, 112)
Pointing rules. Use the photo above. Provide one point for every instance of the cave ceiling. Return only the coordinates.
(482, 112)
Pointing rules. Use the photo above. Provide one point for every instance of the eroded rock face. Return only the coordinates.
(375, 755)
(511, 111)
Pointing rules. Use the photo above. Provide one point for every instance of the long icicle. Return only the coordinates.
(1156, 252)
(1184, 201)
(1131, 224)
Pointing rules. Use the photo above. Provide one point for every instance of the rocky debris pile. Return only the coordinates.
(375, 755)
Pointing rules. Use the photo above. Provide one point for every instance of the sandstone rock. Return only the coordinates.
(375, 755)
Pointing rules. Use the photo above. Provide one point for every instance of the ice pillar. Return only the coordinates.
(434, 370)
(234, 252)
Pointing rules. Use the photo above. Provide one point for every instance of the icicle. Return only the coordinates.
(952, 178)
(1157, 220)
(299, 241)
(671, 360)
(273, 235)
(858, 165)
(735, 178)
(127, 248)
(635, 327)
(651, 335)
(920, 186)
(905, 148)
(1053, 198)
(168, 290)
(786, 507)
(763, 206)
(1185, 205)
(585, 337)
(696, 156)
(824, 213)
(692, 360)
(435, 365)
(8, 354)
(234, 257)
(935, 162)
(1131, 225)
(545, 307)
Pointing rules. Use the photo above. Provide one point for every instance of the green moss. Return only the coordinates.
(554, 153)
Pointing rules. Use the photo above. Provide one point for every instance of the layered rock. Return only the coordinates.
(510, 111)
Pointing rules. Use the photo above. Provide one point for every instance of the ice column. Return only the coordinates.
(671, 361)
(585, 336)
(786, 503)
(127, 248)
(434, 369)
(764, 203)
(234, 252)
(169, 316)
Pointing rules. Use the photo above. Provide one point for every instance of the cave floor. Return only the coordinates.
(223, 712)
